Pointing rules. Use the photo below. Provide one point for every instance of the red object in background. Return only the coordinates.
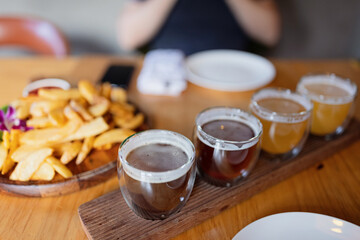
(37, 35)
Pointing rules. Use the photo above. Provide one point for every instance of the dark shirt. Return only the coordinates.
(198, 25)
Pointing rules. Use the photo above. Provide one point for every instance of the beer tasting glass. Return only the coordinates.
(285, 117)
(156, 170)
(227, 142)
(333, 99)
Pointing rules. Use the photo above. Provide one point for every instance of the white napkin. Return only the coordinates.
(163, 73)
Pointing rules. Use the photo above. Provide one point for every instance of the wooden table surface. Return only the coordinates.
(332, 189)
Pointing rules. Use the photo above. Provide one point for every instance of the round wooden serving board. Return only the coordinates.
(98, 167)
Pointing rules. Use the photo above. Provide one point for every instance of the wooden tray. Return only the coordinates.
(109, 217)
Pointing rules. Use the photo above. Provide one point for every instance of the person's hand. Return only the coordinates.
(259, 18)
(139, 21)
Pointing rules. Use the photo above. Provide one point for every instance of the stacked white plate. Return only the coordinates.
(229, 70)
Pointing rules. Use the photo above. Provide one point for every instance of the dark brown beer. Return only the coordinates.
(223, 165)
(157, 200)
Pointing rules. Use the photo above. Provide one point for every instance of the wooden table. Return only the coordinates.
(332, 189)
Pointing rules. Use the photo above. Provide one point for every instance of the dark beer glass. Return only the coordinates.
(156, 172)
(227, 142)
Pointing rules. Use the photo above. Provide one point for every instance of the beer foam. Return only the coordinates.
(332, 79)
(156, 137)
(280, 117)
(234, 114)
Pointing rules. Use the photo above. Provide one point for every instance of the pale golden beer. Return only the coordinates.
(285, 117)
(333, 99)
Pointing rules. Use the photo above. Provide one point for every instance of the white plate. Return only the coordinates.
(229, 70)
(299, 225)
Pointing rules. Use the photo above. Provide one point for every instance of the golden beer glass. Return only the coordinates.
(285, 117)
(333, 99)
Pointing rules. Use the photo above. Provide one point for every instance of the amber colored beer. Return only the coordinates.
(333, 98)
(281, 137)
(219, 165)
(227, 142)
(285, 118)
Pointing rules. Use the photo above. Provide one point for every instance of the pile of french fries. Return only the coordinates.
(67, 125)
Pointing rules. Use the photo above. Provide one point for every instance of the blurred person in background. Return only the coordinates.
(197, 25)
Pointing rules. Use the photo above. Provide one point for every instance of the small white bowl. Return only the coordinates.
(46, 82)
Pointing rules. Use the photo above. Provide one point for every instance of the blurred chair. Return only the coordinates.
(34, 34)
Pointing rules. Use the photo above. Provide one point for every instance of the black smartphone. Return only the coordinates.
(119, 75)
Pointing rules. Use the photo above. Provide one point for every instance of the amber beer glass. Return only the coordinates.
(285, 117)
(333, 99)
(156, 170)
(227, 142)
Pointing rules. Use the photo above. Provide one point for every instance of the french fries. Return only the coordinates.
(23, 111)
(112, 136)
(118, 95)
(49, 135)
(44, 172)
(68, 125)
(57, 117)
(118, 110)
(100, 107)
(59, 167)
(14, 142)
(89, 129)
(81, 110)
(43, 107)
(106, 90)
(26, 168)
(85, 149)
(22, 152)
(6, 139)
(87, 91)
(70, 151)
(131, 123)
(39, 122)
(71, 114)
(59, 94)
(3, 155)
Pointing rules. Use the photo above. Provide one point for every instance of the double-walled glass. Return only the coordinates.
(333, 99)
(156, 170)
(285, 117)
(227, 142)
